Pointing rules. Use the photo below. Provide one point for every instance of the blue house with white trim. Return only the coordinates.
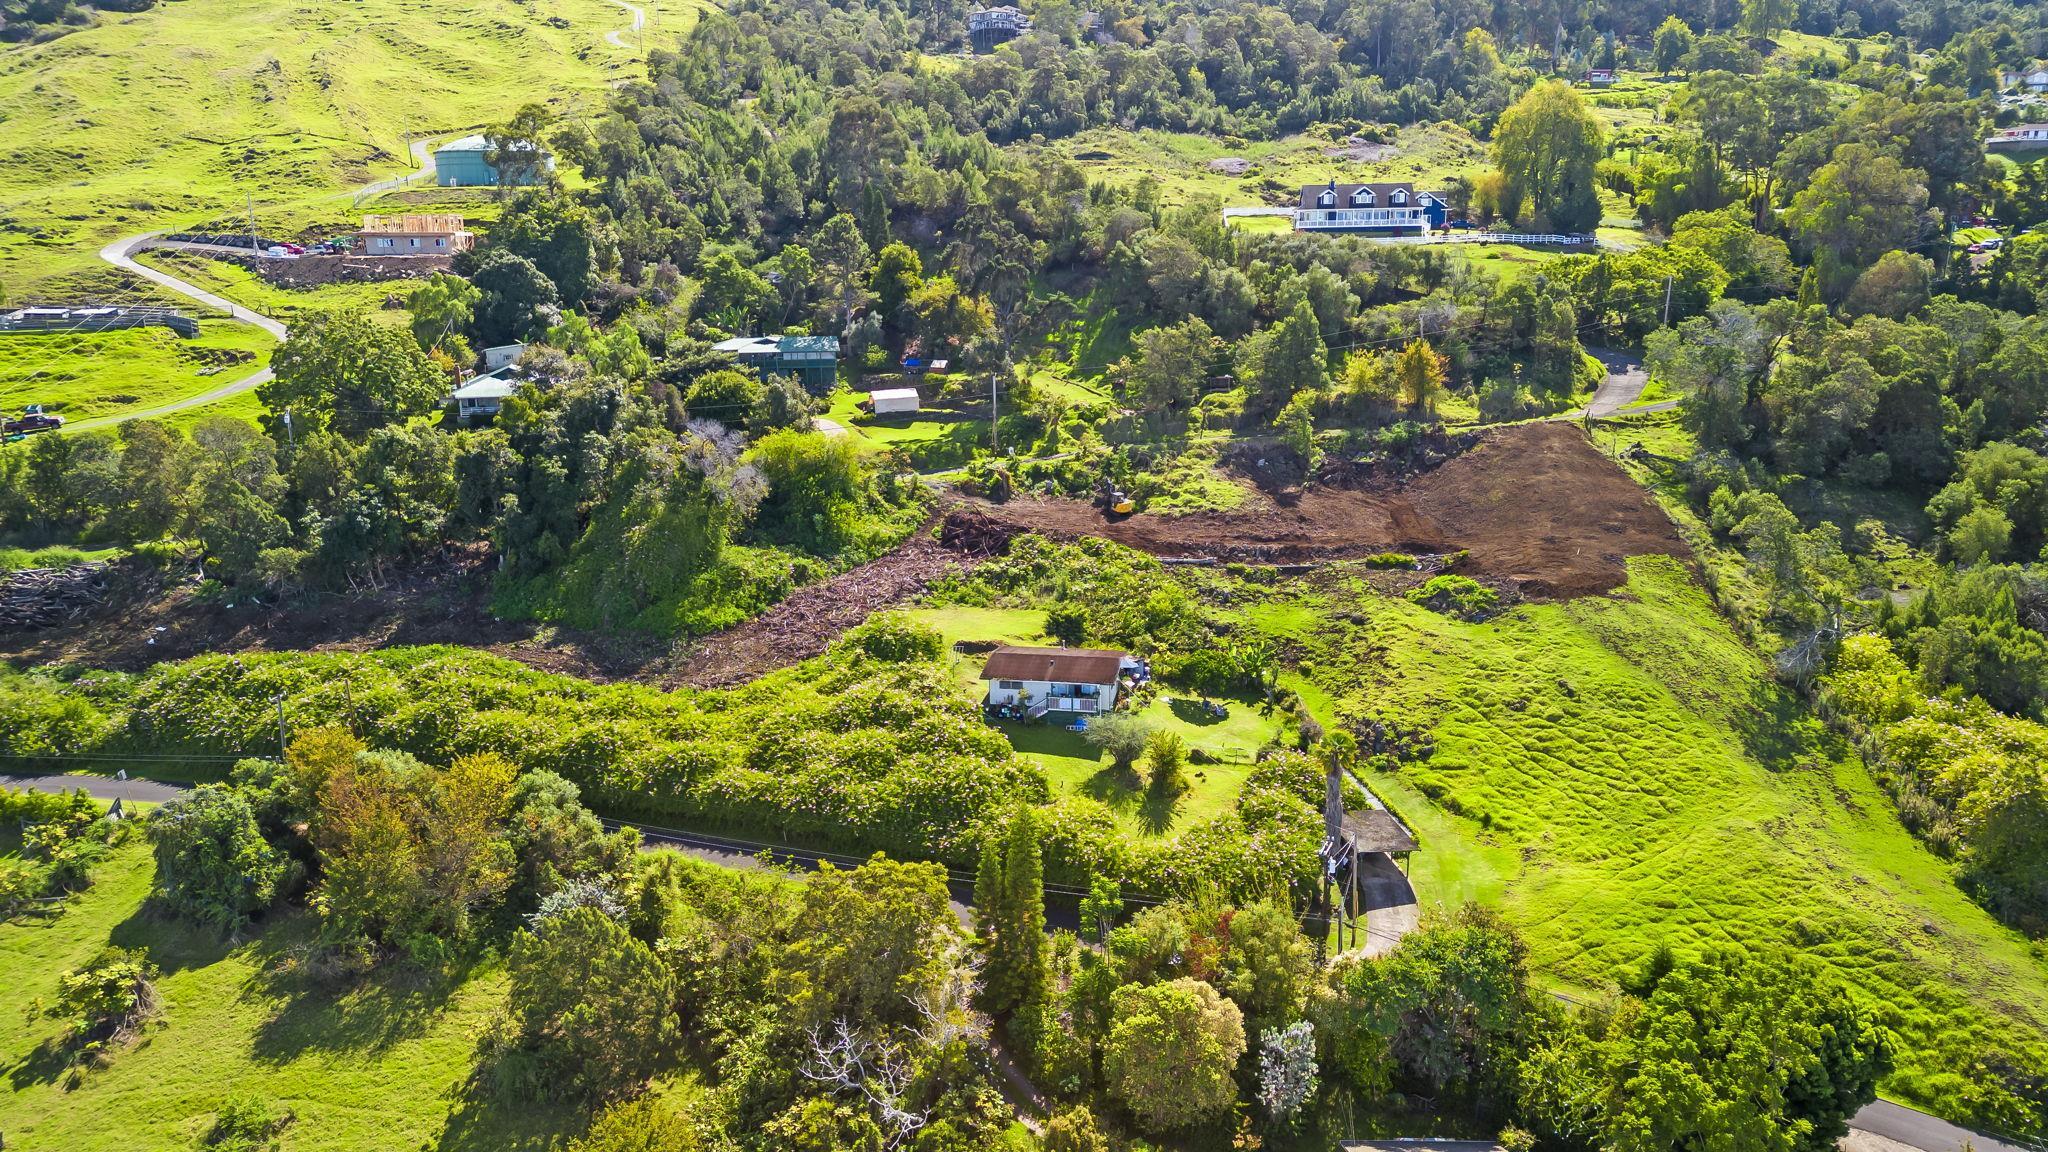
(463, 164)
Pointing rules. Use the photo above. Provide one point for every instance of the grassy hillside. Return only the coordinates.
(1619, 771)
(178, 115)
(380, 1065)
(83, 375)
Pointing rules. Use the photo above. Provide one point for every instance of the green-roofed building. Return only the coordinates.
(813, 360)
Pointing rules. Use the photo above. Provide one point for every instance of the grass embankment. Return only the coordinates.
(381, 1064)
(88, 374)
(178, 115)
(1620, 772)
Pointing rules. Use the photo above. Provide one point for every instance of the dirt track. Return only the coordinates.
(1535, 505)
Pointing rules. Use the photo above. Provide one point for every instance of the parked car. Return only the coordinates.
(295, 249)
(33, 419)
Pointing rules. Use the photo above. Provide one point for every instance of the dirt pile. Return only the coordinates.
(813, 616)
(1536, 506)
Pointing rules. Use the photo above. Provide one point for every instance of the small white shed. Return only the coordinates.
(894, 400)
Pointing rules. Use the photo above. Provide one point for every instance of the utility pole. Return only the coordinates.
(995, 433)
(255, 249)
(290, 442)
(1668, 282)
(280, 726)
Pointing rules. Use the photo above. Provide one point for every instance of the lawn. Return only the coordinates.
(378, 1065)
(1620, 771)
(242, 285)
(84, 375)
(185, 113)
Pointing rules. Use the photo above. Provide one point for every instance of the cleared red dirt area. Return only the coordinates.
(1536, 506)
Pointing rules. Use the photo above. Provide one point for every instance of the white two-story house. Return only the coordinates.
(1390, 209)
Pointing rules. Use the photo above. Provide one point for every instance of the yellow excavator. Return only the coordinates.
(1115, 500)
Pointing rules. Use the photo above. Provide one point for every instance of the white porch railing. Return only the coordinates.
(1308, 219)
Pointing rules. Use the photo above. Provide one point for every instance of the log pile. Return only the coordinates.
(40, 597)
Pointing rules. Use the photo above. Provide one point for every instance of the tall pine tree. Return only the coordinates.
(1009, 898)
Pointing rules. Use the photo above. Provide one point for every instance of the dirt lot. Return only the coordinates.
(1539, 510)
(1536, 505)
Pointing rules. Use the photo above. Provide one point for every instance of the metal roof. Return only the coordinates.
(1054, 665)
(807, 343)
(486, 388)
(893, 394)
(1376, 830)
(749, 345)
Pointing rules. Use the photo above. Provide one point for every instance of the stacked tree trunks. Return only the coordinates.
(40, 597)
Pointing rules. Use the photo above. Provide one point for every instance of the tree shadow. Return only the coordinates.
(483, 1119)
(1189, 710)
(49, 1061)
(173, 944)
(1776, 730)
(321, 1012)
(1122, 790)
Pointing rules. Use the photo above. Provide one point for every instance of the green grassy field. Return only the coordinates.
(182, 114)
(104, 373)
(377, 1065)
(243, 286)
(1620, 771)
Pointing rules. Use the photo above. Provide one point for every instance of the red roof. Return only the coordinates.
(1054, 665)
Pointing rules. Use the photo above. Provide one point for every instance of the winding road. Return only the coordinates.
(121, 254)
(639, 21)
(1881, 1126)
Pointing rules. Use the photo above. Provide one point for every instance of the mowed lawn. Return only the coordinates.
(1076, 767)
(87, 374)
(1620, 771)
(380, 1064)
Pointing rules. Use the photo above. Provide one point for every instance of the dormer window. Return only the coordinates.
(1328, 199)
(1400, 197)
(1361, 198)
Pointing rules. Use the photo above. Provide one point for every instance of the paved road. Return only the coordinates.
(121, 255)
(1916, 1130)
(639, 21)
(98, 787)
(1624, 383)
(1919, 1130)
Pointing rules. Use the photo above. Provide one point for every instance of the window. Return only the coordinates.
(1010, 685)
(1400, 197)
(1362, 197)
(1327, 199)
(414, 242)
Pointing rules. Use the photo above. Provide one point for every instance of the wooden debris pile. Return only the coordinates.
(812, 617)
(40, 597)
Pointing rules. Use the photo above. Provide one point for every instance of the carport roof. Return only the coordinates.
(1376, 830)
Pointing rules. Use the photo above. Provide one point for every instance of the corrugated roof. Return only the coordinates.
(1376, 830)
(1056, 665)
(808, 343)
(893, 394)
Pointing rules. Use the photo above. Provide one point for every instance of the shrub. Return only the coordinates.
(246, 1124)
(1120, 734)
(1459, 596)
(1390, 560)
(212, 864)
(1166, 761)
(894, 638)
(108, 998)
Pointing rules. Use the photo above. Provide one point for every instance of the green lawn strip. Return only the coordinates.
(87, 374)
(1657, 787)
(381, 1063)
(242, 285)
